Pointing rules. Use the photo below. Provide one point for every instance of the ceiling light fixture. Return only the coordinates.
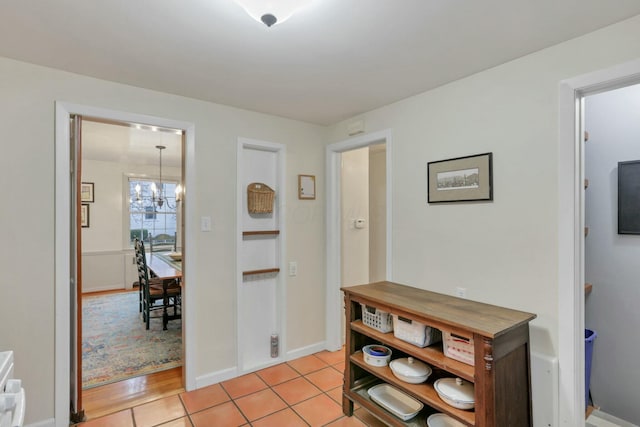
(272, 12)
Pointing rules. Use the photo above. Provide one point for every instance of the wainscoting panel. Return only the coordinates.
(107, 270)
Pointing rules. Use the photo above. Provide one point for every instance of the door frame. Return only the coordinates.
(62, 348)
(333, 310)
(571, 230)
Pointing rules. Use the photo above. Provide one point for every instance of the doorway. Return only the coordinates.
(65, 346)
(611, 249)
(336, 222)
(131, 182)
(571, 278)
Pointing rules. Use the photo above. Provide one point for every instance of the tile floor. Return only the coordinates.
(299, 393)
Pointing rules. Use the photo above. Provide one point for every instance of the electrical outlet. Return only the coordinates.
(293, 268)
(461, 292)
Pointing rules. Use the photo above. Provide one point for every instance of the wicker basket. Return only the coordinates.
(260, 198)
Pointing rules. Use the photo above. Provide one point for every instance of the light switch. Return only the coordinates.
(293, 268)
(205, 223)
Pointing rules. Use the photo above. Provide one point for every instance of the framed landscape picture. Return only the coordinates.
(463, 179)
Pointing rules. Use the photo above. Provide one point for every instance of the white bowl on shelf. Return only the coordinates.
(410, 370)
(456, 392)
(443, 420)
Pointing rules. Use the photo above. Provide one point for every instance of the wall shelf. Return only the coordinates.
(262, 271)
(261, 233)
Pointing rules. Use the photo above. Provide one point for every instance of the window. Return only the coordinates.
(148, 221)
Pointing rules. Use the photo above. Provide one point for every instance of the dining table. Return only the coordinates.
(163, 266)
(166, 268)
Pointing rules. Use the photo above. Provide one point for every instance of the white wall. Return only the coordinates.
(27, 105)
(355, 205)
(504, 252)
(377, 213)
(611, 259)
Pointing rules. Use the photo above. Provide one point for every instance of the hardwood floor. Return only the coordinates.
(110, 398)
(115, 397)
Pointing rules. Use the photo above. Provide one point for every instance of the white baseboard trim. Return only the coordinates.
(45, 423)
(116, 287)
(216, 377)
(306, 351)
(229, 373)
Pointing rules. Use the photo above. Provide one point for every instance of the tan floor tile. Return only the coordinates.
(326, 379)
(180, 422)
(243, 385)
(339, 367)
(224, 415)
(347, 422)
(158, 411)
(204, 398)
(277, 374)
(336, 394)
(120, 419)
(307, 364)
(331, 357)
(318, 410)
(286, 418)
(295, 391)
(260, 404)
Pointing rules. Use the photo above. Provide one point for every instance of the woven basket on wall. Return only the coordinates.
(260, 198)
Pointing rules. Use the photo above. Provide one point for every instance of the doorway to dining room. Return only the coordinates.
(130, 187)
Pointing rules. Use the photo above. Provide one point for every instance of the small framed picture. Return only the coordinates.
(84, 215)
(306, 187)
(86, 192)
(463, 179)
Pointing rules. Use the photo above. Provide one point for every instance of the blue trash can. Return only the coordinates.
(589, 337)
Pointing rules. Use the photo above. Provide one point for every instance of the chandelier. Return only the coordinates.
(158, 195)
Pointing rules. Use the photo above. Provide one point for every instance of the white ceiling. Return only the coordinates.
(333, 60)
(130, 144)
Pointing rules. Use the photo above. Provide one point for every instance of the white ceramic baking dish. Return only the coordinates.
(393, 400)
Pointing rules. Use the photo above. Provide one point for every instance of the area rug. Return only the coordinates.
(116, 345)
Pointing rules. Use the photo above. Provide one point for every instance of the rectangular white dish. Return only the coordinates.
(393, 400)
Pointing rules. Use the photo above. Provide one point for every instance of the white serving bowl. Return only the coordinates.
(376, 355)
(410, 370)
(456, 392)
(443, 420)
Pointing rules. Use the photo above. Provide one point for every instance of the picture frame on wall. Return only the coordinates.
(462, 179)
(84, 215)
(86, 192)
(306, 187)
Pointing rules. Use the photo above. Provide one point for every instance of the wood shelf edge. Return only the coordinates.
(261, 233)
(263, 271)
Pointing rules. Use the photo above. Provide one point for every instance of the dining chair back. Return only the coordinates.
(156, 289)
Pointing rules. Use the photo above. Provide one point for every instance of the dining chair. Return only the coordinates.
(167, 291)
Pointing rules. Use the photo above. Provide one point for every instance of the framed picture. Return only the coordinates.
(86, 192)
(462, 179)
(306, 187)
(629, 197)
(84, 215)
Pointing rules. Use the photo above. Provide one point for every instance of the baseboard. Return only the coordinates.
(306, 351)
(216, 377)
(45, 423)
(229, 373)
